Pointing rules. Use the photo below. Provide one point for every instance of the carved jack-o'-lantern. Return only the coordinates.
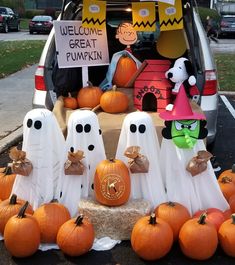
(112, 182)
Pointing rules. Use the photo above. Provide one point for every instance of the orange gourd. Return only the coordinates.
(50, 217)
(89, 96)
(228, 173)
(112, 182)
(227, 187)
(151, 238)
(10, 207)
(114, 101)
(227, 236)
(198, 239)
(125, 69)
(22, 234)
(213, 215)
(175, 214)
(70, 102)
(6, 182)
(76, 236)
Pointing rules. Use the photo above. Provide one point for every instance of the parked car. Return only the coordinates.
(9, 20)
(227, 25)
(198, 51)
(40, 24)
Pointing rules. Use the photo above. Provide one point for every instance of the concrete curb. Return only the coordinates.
(12, 139)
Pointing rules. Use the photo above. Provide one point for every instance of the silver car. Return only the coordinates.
(50, 81)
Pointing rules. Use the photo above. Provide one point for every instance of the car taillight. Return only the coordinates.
(210, 87)
(1, 18)
(31, 23)
(39, 79)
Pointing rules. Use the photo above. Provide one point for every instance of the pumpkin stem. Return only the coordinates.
(202, 219)
(21, 213)
(89, 83)
(7, 170)
(79, 219)
(172, 204)
(69, 95)
(233, 168)
(114, 88)
(152, 220)
(13, 199)
(112, 160)
(226, 180)
(54, 200)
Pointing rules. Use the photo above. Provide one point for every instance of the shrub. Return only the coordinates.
(30, 13)
(204, 12)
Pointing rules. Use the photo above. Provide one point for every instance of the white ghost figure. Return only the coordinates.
(138, 130)
(84, 134)
(44, 145)
(197, 192)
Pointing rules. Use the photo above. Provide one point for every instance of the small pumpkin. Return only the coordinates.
(228, 173)
(213, 215)
(125, 69)
(231, 202)
(89, 96)
(76, 236)
(10, 207)
(6, 182)
(114, 101)
(22, 234)
(198, 239)
(50, 217)
(151, 238)
(70, 102)
(112, 182)
(227, 187)
(175, 214)
(227, 236)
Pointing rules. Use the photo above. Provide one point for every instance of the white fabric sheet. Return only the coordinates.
(44, 145)
(149, 185)
(195, 193)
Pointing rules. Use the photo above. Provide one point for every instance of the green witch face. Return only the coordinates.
(185, 133)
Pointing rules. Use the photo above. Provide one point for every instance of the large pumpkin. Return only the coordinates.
(213, 215)
(6, 182)
(227, 236)
(112, 182)
(114, 101)
(227, 187)
(125, 69)
(10, 207)
(22, 234)
(89, 96)
(50, 217)
(175, 214)
(151, 239)
(198, 239)
(76, 236)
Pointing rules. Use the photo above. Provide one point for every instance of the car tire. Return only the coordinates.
(31, 32)
(6, 28)
(18, 27)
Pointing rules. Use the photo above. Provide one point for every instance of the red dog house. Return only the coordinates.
(152, 91)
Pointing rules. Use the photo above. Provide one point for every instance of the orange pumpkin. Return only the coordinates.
(89, 96)
(213, 215)
(198, 239)
(114, 101)
(76, 236)
(126, 67)
(112, 182)
(22, 234)
(227, 214)
(175, 214)
(228, 173)
(231, 202)
(10, 207)
(6, 182)
(227, 187)
(151, 239)
(227, 236)
(70, 102)
(50, 217)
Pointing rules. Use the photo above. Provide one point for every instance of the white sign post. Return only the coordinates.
(77, 46)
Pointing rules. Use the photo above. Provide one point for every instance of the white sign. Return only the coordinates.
(171, 2)
(77, 46)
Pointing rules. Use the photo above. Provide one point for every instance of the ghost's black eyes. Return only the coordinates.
(29, 123)
(87, 128)
(79, 128)
(38, 125)
(71, 149)
(142, 128)
(133, 128)
(100, 132)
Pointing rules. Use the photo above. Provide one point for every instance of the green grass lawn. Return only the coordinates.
(16, 55)
(24, 23)
(226, 71)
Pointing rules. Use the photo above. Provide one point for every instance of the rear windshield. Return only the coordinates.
(3, 10)
(229, 19)
(41, 18)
